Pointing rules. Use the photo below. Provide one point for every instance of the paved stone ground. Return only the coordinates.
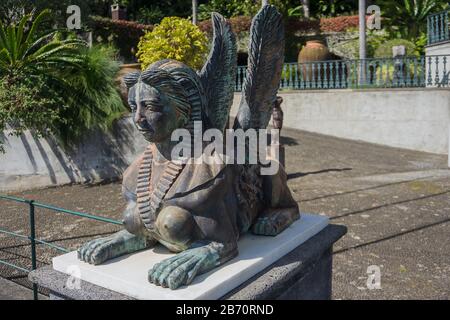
(395, 203)
(12, 291)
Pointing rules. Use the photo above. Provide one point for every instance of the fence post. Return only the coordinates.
(33, 245)
(446, 25)
(429, 30)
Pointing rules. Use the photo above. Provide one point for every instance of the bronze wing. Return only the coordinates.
(218, 75)
(265, 61)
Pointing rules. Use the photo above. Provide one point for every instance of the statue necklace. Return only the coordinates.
(149, 199)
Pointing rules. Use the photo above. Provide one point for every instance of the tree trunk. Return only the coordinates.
(306, 11)
(194, 11)
(362, 29)
(362, 41)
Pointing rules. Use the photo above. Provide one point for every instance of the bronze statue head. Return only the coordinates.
(159, 102)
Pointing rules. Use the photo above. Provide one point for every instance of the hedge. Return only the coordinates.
(126, 34)
(339, 24)
(238, 24)
(293, 25)
(123, 34)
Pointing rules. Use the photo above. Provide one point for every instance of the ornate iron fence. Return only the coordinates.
(31, 237)
(437, 27)
(404, 72)
(437, 71)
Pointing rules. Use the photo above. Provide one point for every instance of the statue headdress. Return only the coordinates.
(179, 82)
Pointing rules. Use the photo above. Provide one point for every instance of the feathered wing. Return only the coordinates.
(266, 57)
(218, 75)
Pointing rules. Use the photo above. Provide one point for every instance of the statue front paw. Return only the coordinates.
(265, 226)
(100, 250)
(274, 221)
(96, 251)
(182, 268)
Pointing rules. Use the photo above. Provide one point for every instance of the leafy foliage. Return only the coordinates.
(293, 25)
(28, 103)
(152, 12)
(123, 35)
(295, 12)
(375, 39)
(54, 84)
(175, 38)
(238, 25)
(385, 49)
(22, 51)
(420, 43)
(13, 10)
(234, 8)
(230, 8)
(150, 15)
(28, 63)
(407, 18)
(90, 93)
(333, 7)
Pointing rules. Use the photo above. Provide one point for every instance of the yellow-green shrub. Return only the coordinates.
(175, 38)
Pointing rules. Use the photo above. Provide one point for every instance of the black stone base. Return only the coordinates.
(304, 273)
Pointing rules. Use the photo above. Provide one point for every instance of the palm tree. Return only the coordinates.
(23, 51)
(409, 16)
(194, 11)
(82, 77)
(362, 40)
(306, 8)
(362, 29)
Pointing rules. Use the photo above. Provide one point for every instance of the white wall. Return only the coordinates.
(442, 48)
(32, 163)
(416, 119)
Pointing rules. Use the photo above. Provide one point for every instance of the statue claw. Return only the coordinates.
(264, 226)
(274, 221)
(100, 250)
(94, 252)
(182, 268)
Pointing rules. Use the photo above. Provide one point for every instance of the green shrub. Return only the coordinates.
(52, 84)
(383, 73)
(233, 8)
(375, 39)
(385, 49)
(175, 38)
(228, 8)
(23, 51)
(123, 34)
(408, 18)
(332, 8)
(92, 98)
(150, 15)
(28, 103)
(420, 43)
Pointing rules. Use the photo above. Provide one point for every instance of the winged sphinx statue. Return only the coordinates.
(200, 210)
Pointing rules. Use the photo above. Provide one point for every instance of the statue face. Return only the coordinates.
(153, 113)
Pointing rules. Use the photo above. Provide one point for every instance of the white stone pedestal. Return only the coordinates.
(128, 274)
